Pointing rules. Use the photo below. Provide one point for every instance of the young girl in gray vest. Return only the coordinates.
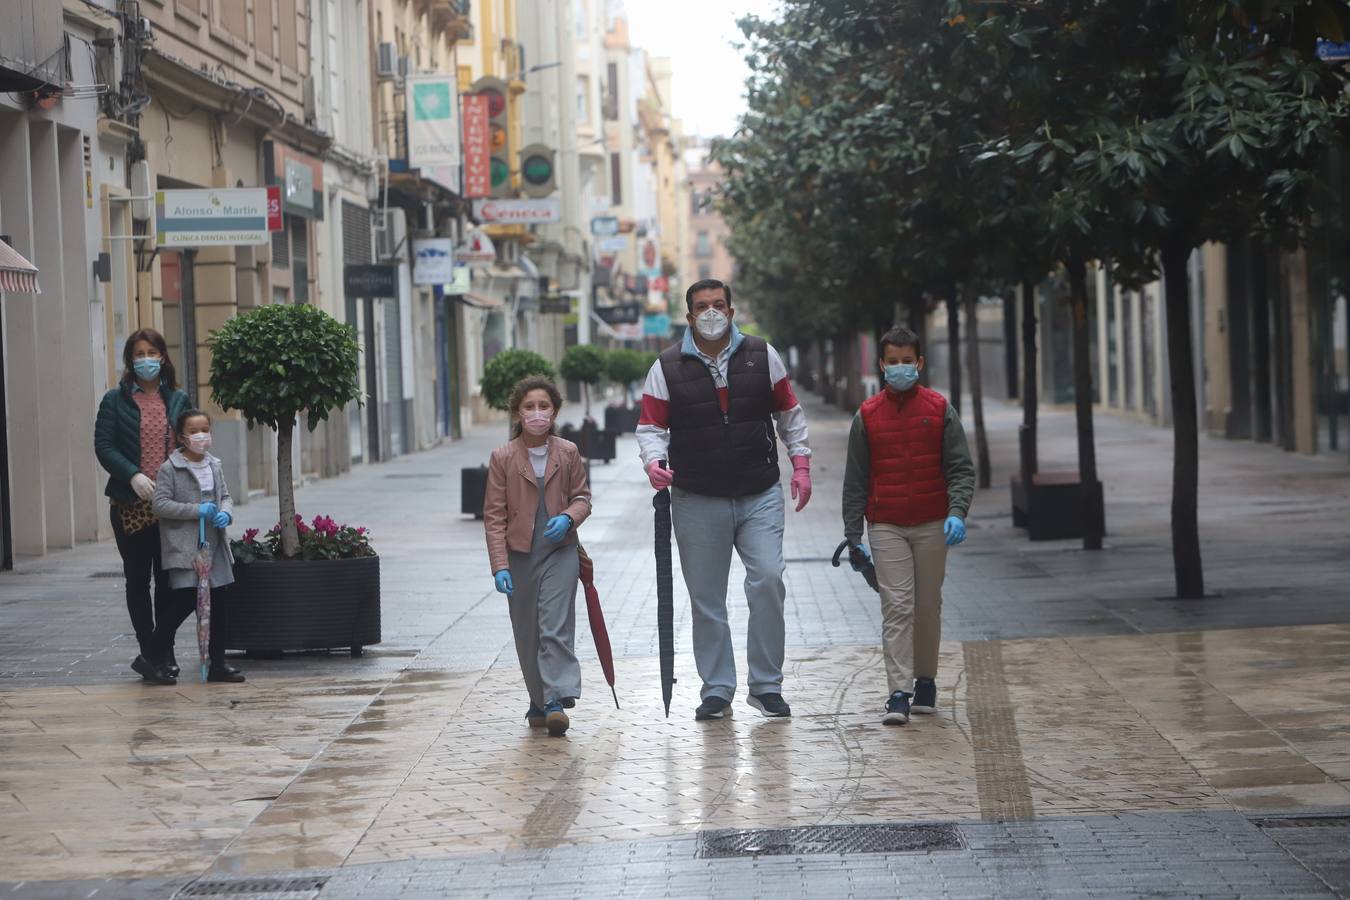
(190, 490)
(536, 498)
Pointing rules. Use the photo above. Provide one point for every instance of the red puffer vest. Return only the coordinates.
(904, 432)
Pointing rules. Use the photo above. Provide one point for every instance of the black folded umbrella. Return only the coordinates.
(665, 593)
(860, 562)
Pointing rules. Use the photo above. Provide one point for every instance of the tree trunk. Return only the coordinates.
(917, 317)
(586, 398)
(976, 386)
(954, 347)
(1190, 574)
(1010, 344)
(290, 536)
(1030, 384)
(1082, 396)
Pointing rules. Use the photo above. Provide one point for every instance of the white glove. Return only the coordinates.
(143, 486)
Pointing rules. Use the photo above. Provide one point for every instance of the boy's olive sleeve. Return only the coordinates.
(957, 466)
(857, 477)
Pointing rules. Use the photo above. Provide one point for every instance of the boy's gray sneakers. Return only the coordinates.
(925, 696)
(897, 709)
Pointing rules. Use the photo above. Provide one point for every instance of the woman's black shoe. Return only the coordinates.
(171, 664)
(152, 673)
(224, 672)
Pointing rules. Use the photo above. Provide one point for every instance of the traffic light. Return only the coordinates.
(538, 177)
(499, 133)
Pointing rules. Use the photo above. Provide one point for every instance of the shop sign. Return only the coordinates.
(300, 187)
(433, 260)
(612, 244)
(459, 284)
(228, 217)
(656, 325)
(518, 212)
(370, 281)
(620, 314)
(555, 305)
(433, 132)
(477, 250)
(477, 146)
(604, 225)
(1330, 51)
(660, 283)
(649, 257)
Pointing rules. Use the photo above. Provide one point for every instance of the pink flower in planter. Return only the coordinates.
(249, 535)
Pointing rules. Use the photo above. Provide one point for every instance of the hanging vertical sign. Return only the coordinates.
(477, 146)
(433, 132)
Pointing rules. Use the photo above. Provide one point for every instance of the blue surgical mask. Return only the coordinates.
(146, 368)
(903, 376)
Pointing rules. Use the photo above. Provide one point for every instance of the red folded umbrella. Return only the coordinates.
(597, 618)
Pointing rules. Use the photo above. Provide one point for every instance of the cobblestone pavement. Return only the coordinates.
(1091, 738)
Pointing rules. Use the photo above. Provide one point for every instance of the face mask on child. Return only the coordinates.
(536, 423)
(199, 442)
(902, 377)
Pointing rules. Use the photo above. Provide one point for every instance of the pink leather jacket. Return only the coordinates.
(513, 496)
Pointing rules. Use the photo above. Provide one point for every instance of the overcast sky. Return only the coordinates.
(709, 84)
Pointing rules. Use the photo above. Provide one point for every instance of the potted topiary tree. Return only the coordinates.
(625, 368)
(299, 586)
(499, 376)
(586, 364)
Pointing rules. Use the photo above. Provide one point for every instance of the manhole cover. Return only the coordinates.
(1303, 822)
(245, 886)
(736, 842)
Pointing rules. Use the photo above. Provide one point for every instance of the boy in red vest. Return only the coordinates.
(910, 475)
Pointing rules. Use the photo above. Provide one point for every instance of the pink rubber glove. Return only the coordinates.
(659, 477)
(801, 480)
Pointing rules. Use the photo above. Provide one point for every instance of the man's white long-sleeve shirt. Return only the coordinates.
(653, 431)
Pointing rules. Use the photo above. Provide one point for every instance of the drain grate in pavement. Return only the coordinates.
(245, 886)
(108, 574)
(730, 843)
(1303, 822)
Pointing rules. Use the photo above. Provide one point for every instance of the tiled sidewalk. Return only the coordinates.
(1115, 729)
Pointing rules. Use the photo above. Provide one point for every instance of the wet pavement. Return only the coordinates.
(1092, 738)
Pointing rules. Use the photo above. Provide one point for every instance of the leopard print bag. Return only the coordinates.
(135, 516)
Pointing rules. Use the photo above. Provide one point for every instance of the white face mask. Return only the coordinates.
(200, 442)
(712, 324)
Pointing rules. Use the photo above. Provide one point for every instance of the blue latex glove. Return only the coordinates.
(861, 548)
(221, 519)
(955, 530)
(503, 581)
(557, 528)
(207, 510)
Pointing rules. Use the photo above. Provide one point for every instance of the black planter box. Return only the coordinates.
(472, 490)
(622, 419)
(303, 605)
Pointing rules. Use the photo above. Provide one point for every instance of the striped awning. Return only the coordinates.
(17, 275)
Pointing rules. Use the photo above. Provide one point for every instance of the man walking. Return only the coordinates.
(707, 432)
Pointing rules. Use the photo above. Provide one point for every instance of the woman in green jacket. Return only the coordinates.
(132, 439)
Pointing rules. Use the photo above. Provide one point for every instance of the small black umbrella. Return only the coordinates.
(863, 564)
(665, 593)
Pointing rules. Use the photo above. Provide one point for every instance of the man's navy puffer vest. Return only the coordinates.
(722, 456)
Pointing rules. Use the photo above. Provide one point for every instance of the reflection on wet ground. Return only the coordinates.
(126, 780)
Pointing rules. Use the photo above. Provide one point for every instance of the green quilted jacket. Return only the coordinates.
(117, 436)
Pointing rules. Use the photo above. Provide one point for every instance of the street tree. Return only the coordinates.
(276, 362)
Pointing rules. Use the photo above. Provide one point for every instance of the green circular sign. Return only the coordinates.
(500, 172)
(537, 169)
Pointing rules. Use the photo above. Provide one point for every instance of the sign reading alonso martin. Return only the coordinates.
(518, 212)
(216, 218)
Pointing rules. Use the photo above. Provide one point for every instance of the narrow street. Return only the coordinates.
(1092, 735)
